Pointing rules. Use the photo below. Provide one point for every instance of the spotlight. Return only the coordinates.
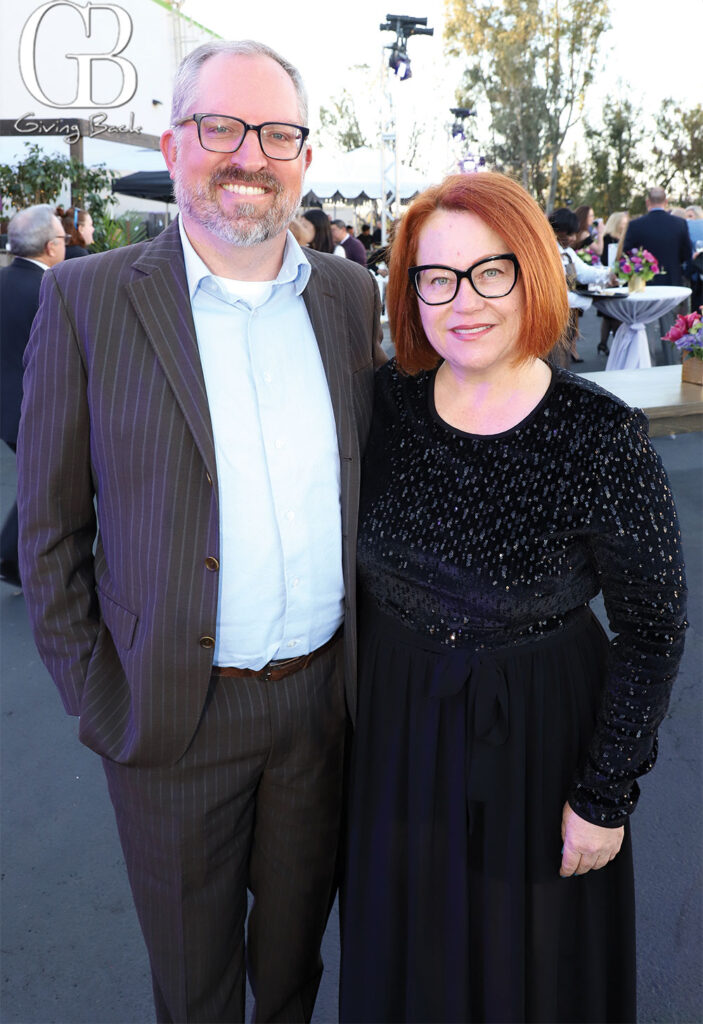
(404, 27)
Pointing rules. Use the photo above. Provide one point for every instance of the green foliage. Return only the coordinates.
(113, 233)
(340, 123)
(40, 178)
(615, 165)
(678, 151)
(571, 184)
(533, 61)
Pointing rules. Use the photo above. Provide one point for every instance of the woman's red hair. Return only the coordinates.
(507, 209)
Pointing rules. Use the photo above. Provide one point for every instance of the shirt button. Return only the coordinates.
(208, 642)
(211, 564)
(292, 643)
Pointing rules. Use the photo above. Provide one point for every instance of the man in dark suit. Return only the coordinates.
(37, 241)
(667, 238)
(211, 390)
(352, 246)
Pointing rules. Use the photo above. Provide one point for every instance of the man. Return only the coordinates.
(353, 248)
(212, 390)
(37, 241)
(365, 236)
(667, 238)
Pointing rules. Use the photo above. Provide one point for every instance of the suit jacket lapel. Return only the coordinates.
(329, 322)
(162, 303)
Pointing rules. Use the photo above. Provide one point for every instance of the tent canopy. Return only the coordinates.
(155, 185)
(343, 178)
(354, 177)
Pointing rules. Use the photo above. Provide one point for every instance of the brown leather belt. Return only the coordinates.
(276, 670)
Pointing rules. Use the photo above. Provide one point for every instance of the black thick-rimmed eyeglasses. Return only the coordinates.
(492, 278)
(219, 133)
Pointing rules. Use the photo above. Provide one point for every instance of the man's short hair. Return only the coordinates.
(656, 196)
(30, 229)
(186, 80)
(339, 224)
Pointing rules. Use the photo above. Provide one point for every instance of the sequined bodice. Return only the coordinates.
(488, 541)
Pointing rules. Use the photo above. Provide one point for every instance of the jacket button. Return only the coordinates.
(208, 642)
(211, 564)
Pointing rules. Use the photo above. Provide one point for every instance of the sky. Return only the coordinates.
(644, 48)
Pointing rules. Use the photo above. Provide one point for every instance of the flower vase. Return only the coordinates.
(636, 284)
(692, 370)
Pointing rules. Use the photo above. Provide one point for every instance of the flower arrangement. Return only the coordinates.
(590, 257)
(687, 335)
(638, 263)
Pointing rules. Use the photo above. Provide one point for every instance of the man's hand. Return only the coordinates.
(587, 847)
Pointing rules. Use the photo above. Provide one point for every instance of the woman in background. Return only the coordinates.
(565, 226)
(499, 734)
(613, 234)
(590, 231)
(78, 224)
(322, 241)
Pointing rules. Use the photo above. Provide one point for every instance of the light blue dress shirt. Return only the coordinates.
(281, 589)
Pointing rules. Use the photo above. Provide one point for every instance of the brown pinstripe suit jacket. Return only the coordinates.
(115, 408)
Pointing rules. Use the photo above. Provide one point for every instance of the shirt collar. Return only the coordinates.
(295, 268)
(37, 263)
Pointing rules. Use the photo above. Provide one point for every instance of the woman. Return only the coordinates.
(302, 230)
(613, 235)
(78, 224)
(614, 232)
(565, 226)
(498, 735)
(590, 232)
(322, 241)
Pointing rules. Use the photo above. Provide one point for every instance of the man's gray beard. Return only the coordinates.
(245, 226)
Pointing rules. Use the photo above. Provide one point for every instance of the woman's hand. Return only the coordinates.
(587, 847)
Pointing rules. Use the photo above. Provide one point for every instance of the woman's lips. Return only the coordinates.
(471, 330)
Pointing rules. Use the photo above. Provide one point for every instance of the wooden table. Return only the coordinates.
(671, 406)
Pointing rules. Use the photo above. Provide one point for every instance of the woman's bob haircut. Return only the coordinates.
(508, 210)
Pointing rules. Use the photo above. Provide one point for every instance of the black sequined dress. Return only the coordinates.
(489, 695)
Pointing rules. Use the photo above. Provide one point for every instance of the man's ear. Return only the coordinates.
(169, 149)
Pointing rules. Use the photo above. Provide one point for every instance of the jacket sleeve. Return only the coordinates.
(55, 498)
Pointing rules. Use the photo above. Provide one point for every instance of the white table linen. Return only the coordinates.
(630, 350)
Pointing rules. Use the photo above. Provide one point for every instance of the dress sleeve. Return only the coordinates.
(636, 549)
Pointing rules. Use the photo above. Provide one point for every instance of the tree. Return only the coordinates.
(340, 123)
(533, 60)
(615, 163)
(571, 182)
(39, 178)
(678, 150)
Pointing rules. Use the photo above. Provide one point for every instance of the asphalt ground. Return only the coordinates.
(71, 946)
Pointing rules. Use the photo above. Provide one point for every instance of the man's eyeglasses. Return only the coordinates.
(219, 133)
(61, 238)
(491, 278)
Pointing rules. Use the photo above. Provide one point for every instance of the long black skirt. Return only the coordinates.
(452, 904)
